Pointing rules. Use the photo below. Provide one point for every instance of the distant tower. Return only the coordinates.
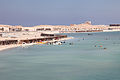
(71, 24)
(88, 22)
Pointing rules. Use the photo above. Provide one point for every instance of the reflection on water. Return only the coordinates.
(86, 59)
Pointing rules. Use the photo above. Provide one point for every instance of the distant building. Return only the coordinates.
(84, 27)
(114, 25)
(4, 28)
(88, 22)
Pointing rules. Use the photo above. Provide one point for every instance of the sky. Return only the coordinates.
(59, 12)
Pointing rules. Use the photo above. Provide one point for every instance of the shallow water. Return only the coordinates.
(80, 61)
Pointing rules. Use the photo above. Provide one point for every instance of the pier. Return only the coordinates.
(12, 40)
(32, 40)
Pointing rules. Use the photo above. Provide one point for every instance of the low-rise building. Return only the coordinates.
(84, 27)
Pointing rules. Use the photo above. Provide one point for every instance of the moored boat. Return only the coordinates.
(42, 42)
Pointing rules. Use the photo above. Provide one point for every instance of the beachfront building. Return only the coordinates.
(9, 28)
(84, 27)
(44, 28)
(4, 28)
(15, 28)
(114, 27)
(28, 29)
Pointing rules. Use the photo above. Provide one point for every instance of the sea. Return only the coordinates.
(89, 56)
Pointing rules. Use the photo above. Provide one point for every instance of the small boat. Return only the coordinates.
(42, 42)
(90, 34)
(104, 48)
(70, 43)
(63, 42)
(57, 43)
(24, 44)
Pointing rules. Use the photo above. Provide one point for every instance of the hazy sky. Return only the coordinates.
(36, 12)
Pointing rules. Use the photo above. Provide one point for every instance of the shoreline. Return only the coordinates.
(5, 47)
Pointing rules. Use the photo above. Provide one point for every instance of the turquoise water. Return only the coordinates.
(80, 61)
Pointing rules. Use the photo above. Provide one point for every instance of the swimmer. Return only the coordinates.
(95, 45)
(100, 46)
(104, 48)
